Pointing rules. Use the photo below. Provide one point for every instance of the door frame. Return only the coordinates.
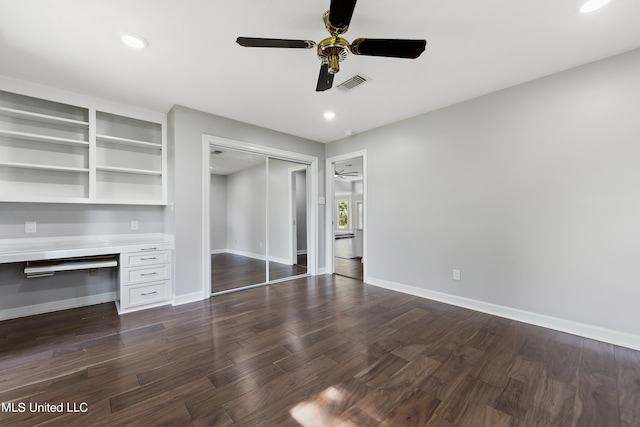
(330, 205)
(312, 200)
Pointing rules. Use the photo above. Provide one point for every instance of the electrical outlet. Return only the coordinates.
(29, 226)
(456, 274)
(134, 225)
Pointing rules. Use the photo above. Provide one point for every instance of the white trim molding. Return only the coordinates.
(188, 298)
(563, 325)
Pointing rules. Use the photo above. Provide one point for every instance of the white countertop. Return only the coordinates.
(35, 248)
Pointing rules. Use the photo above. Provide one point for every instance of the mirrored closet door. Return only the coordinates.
(258, 219)
(287, 213)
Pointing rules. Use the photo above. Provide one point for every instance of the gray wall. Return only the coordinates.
(279, 210)
(55, 220)
(246, 216)
(532, 192)
(18, 291)
(218, 212)
(186, 127)
(301, 210)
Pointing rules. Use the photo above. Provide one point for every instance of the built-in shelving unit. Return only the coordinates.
(56, 152)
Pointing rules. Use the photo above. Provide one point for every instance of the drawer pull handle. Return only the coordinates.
(148, 258)
(149, 274)
(149, 293)
(148, 249)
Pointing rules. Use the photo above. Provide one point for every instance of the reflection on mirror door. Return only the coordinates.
(258, 213)
(238, 220)
(348, 218)
(287, 219)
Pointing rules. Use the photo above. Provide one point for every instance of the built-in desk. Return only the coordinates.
(144, 263)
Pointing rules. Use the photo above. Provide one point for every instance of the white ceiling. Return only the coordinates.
(226, 162)
(473, 48)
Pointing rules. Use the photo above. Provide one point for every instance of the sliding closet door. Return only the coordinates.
(238, 219)
(287, 219)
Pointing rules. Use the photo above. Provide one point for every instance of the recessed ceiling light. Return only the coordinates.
(329, 115)
(592, 5)
(134, 41)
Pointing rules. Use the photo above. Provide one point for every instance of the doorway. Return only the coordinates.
(346, 211)
(259, 212)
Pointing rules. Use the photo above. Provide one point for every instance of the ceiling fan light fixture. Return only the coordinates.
(134, 41)
(592, 5)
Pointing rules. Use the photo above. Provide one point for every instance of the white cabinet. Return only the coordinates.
(55, 152)
(145, 279)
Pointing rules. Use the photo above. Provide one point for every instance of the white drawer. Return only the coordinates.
(134, 259)
(145, 294)
(132, 276)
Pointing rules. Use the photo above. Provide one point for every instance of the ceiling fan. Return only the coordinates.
(344, 175)
(334, 49)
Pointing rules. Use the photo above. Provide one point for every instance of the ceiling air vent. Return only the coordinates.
(351, 83)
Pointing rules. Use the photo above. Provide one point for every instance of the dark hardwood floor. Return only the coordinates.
(318, 351)
(347, 262)
(231, 271)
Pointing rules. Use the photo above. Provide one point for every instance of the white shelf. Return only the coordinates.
(127, 141)
(55, 152)
(129, 170)
(43, 118)
(43, 167)
(42, 138)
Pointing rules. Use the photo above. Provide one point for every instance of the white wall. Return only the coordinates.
(532, 192)
(186, 127)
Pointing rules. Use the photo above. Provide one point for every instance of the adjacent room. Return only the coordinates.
(319, 213)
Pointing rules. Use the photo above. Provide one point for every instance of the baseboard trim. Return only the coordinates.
(247, 254)
(610, 336)
(187, 298)
(47, 307)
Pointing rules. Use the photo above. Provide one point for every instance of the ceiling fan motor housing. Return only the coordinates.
(332, 51)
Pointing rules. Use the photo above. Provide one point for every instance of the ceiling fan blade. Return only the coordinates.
(325, 79)
(394, 48)
(340, 13)
(262, 42)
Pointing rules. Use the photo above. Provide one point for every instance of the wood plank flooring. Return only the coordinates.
(232, 271)
(346, 261)
(319, 351)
